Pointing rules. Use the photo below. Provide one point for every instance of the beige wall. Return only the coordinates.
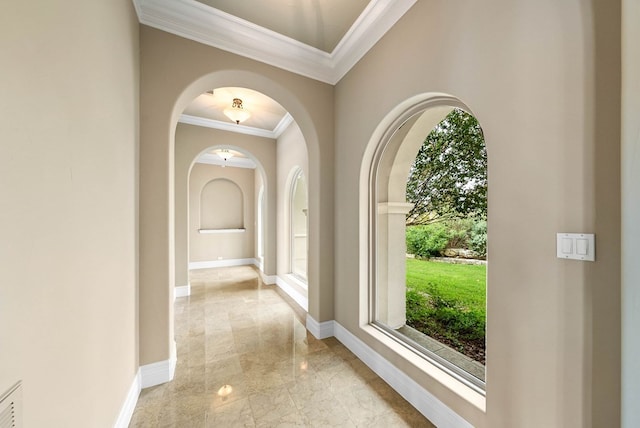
(630, 213)
(68, 168)
(190, 142)
(173, 72)
(527, 70)
(221, 246)
(292, 153)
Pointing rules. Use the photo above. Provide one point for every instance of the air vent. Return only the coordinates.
(11, 407)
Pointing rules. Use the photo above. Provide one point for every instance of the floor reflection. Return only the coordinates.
(245, 359)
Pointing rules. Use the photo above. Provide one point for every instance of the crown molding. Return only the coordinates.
(374, 22)
(225, 126)
(282, 126)
(214, 159)
(240, 129)
(204, 24)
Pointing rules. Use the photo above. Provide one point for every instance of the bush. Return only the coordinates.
(459, 230)
(444, 319)
(427, 241)
(478, 242)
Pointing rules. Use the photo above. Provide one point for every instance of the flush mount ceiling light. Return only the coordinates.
(225, 154)
(237, 113)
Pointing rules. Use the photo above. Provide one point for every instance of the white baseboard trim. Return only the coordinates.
(182, 291)
(157, 373)
(258, 264)
(300, 299)
(126, 412)
(220, 263)
(425, 402)
(320, 330)
(267, 279)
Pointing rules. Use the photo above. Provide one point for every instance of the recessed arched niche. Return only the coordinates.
(221, 205)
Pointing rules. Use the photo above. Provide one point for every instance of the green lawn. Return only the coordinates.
(448, 302)
(465, 284)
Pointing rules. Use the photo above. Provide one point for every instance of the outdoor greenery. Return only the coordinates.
(448, 186)
(449, 176)
(448, 302)
(430, 240)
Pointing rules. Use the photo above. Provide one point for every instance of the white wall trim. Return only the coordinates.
(204, 24)
(291, 291)
(374, 22)
(426, 403)
(129, 406)
(220, 263)
(182, 291)
(220, 231)
(284, 123)
(282, 126)
(226, 126)
(320, 330)
(236, 162)
(157, 373)
(296, 280)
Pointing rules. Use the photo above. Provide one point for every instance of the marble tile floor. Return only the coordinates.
(245, 359)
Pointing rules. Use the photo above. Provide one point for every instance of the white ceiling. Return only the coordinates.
(320, 39)
(268, 118)
(318, 23)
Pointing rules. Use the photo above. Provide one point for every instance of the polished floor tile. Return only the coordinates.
(245, 359)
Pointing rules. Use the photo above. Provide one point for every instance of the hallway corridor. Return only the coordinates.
(245, 359)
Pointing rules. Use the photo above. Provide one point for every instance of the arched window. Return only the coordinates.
(221, 205)
(428, 207)
(298, 225)
(260, 223)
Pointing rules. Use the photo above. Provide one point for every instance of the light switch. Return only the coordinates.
(576, 246)
(582, 246)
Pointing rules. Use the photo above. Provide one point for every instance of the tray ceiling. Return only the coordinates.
(320, 39)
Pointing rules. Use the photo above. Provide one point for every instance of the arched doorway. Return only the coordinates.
(163, 106)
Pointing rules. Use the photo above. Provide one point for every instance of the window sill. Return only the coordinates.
(428, 367)
(221, 230)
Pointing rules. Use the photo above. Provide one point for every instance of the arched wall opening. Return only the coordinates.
(195, 246)
(309, 103)
(301, 116)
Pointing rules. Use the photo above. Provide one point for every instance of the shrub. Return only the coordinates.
(459, 230)
(444, 319)
(478, 242)
(427, 241)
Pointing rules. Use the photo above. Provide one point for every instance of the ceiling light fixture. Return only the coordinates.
(225, 154)
(237, 113)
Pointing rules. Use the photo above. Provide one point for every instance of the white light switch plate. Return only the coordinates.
(576, 246)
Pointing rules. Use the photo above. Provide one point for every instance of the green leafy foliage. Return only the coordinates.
(459, 231)
(449, 175)
(478, 241)
(428, 240)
